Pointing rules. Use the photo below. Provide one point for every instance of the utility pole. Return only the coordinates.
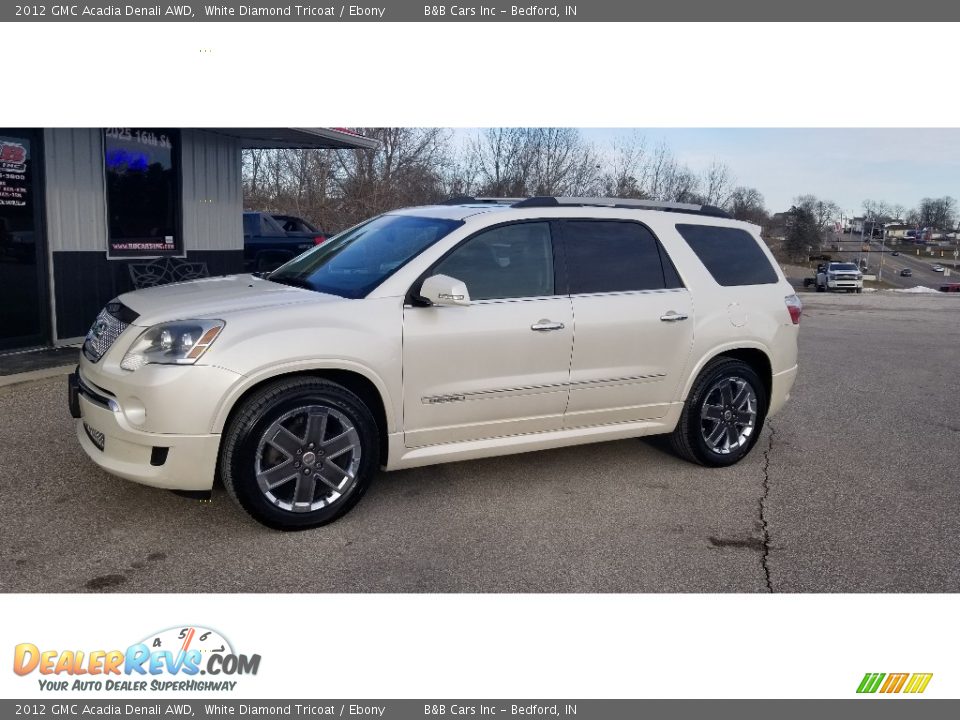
(883, 249)
(863, 224)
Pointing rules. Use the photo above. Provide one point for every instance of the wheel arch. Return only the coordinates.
(754, 354)
(362, 383)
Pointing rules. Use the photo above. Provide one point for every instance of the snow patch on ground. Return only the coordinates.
(917, 289)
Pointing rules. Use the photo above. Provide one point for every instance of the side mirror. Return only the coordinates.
(445, 290)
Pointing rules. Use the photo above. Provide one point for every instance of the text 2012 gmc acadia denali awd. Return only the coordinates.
(431, 334)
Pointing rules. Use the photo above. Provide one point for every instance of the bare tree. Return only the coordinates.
(626, 175)
(746, 203)
(876, 210)
(516, 162)
(822, 211)
(716, 184)
(406, 169)
(502, 158)
(938, 213)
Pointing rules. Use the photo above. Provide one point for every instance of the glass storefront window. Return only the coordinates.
(141, 167)
(22, 296)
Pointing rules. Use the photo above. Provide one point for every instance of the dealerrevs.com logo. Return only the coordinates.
(173, 659)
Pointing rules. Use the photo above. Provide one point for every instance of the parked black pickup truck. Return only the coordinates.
(270, 240)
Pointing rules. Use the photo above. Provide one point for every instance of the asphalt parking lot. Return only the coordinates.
(854, 487)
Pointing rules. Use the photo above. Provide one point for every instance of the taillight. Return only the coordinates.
(794, 307)
(319, 239)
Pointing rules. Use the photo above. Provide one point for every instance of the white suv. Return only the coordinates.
(463, 330)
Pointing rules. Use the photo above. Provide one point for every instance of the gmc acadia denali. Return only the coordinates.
(478, 327)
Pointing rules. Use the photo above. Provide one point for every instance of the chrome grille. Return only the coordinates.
(112, 320)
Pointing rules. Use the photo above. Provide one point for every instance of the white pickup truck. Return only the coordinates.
(839, 277)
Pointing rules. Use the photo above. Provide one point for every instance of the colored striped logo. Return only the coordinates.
(913, 683)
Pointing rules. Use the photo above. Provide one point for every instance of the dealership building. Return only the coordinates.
(79, 206)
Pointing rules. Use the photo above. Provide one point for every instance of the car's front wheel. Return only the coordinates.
(299, 453)
(723, 415)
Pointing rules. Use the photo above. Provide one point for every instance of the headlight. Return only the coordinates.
(175, 343)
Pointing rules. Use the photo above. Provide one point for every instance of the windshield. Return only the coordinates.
(843, 267)
(354, 262)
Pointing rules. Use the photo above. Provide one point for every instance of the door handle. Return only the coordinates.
(673, 316)
(546, 326)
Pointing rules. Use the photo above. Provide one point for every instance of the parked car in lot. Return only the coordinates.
(270, 240)
(839, 277)
(906, 272)
(441, 333)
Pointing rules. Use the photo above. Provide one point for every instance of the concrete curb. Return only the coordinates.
(35, 375)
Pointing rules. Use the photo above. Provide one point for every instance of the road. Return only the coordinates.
(852, 488)
(851, 250)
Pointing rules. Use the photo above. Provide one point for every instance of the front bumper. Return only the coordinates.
(164, 460)
(844, 284)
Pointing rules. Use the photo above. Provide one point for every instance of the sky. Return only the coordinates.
(848, 166)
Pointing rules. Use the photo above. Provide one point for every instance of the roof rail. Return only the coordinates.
(550, 201)
(470, 200)
(611, 202)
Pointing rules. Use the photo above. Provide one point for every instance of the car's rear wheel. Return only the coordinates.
(723, 415)
(299, 453)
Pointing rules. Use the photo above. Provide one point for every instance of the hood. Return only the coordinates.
(215, 297)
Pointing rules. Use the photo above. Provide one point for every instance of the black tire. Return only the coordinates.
(687, 438)
(270, 404)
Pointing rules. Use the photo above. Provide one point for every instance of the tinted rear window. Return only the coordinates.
(731, 255)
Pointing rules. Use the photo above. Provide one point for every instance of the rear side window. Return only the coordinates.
(731, 255)
(611, 256)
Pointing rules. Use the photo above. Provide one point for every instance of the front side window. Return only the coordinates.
(612, 256)
(356, 261)
(143, 199)
(511, 261)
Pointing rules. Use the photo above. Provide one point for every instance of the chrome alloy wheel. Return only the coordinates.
(728, 416)
(308, 459)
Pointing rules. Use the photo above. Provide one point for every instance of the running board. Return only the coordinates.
(514, 444)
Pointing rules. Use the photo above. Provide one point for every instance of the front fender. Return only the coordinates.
(270, 372)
